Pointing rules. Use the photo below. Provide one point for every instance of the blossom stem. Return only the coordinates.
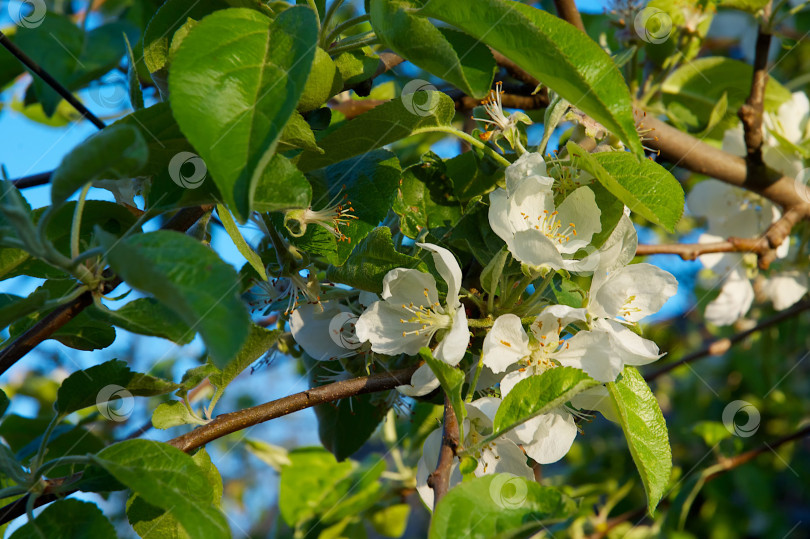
(474, 383)
(469, 139)
(343, 26)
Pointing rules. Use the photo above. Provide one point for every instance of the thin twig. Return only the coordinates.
(235, 421)
(439, 479)
(720, 346)
(33, 180)
(63, 314)
(28, 62)
(750, 112)
(567, 11)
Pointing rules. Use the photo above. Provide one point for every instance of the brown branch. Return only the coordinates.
(720, 346)
(439, 479)
(509, 100)
(567, 11)
(750, 112)
(33, 180)
(228, 423)
(690, 251)
(235, 421)
(63, 314)
(35, 68)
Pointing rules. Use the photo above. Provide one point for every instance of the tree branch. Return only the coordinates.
(720, 346)
(439, 479)
(63, 314)
(567, 11)
(33, 180)
(49, 80)
(235, 421)
(750, 112)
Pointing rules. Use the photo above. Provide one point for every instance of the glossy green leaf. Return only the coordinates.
(168, 479)
(173, 414)
(451, 55)
(357, 66)
(539, 394)
(259, 341)
(116, 152)
(147, 316)
(370, 261)
(452, 382)
(191, 279)
(104, 383)
(374, 129)
(644, 186)
(646, 432)
(68, 518)
(134, 84)
(298, 134)
(14, 307)
(553, 51)
(486, 506)
(235, 114)
(242, 246)
(281, 187)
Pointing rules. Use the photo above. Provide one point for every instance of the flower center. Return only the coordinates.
(627, 308)
(339, 212)
(552, 227)
(429, 318)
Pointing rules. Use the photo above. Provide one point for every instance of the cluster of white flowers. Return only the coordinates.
(598, 338)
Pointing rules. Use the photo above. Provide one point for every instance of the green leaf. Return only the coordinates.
(486, 506)
(281, 187)
(451, 55)
(700, 84)
(539, 394)
(116, 152)
(273, 455)
(491, 274)
(345, 426)
(382, 125)
(106, 382)
(370, 261)
(425, 198)
(4, 402)
(644, 186)
(471, 176)
(365, 186)
(135, 93)
(235, 116)
(646, 432)
(170, 480)
(357, 66)
(147, 316)
(553, 51)
(712, 432)
(173, 414)
(14, 307)
(298, 134)
(452, 381)
(391, 521)
(752, 6)
(258, 342)
(190, 278)
(68, 518)
(242, 246)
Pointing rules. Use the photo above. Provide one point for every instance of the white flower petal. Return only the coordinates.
(511, 379)
(405, 285)
(596, 398)
(554, 434)
(454, 344)
(580, 212)
(499, 215)
(504, 456)
(532, 247)
(635, 350)
(423, 382)
(381, 325)
(553, 319)
(527, 165)
(484, 410)
(309, 324)
(634, 292)
(785, 289)
(733, 302)
(448, 268)
(594, 353)
(505, 344)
